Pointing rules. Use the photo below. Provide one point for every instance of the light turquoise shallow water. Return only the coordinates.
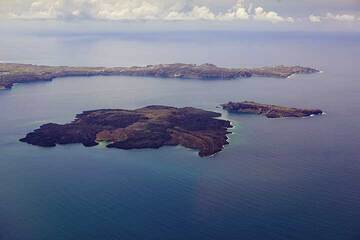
(278, 179)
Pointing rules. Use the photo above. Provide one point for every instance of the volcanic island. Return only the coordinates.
(269, 111)
(148, 127)
(152, 126)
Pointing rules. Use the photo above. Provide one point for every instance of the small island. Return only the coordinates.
(11, 73)
(270, 111)
(148, 127)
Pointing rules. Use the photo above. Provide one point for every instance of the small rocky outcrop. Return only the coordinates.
(270, 111)
(149, 127)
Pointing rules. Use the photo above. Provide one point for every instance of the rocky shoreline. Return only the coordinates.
(155, 126)
(267, 110)
(148, 127)
(11, 73)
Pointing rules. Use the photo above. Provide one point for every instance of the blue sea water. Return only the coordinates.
(278, 179)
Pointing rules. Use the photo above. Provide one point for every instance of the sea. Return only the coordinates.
(278, 179)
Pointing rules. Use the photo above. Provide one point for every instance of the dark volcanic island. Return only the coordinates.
(153, 126)
(148, 127)
(270, 111)
(11, 73)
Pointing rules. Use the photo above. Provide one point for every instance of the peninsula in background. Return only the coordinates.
(11, 73)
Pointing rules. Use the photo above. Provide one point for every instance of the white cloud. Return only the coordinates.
(96, 9)
(271, 16)
(238, 12)
(203, 13)
(341, 17)
(40, 10)
(165, 10)
(290, 19)
(314, 19)
(124, 10)
(197, 13)
(162, 10)
(332, 17)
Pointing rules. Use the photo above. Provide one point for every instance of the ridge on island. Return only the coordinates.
(11, 73)
(148, 127)
(270, 111)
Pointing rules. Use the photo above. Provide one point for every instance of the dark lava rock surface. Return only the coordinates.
(270, 111)
(148, 127)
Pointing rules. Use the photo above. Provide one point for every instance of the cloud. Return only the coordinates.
(123, 10)
(39, 10)
(314, 19)
(332, 17)
(341, 17)
(197, 13)
(237, 12)
(90, 9)
(271, 16)
(165, 10)
(160, 10)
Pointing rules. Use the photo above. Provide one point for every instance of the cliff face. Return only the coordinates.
(149, 127)
(21, 73)
(270, 111)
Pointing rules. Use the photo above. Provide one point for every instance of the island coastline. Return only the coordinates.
(148, 127)
(269, 111)
(12, 73)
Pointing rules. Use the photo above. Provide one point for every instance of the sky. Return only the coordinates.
(168, 14)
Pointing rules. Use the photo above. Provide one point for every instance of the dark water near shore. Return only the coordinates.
(278, 179)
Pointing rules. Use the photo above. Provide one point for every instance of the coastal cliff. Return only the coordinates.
(11, 73)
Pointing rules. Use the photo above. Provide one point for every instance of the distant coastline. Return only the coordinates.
(11, 73)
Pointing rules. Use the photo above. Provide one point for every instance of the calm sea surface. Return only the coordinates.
(278, 179)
